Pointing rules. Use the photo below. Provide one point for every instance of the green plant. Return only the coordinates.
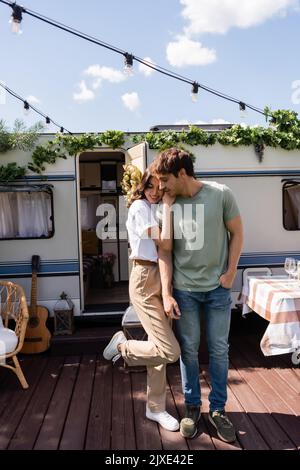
(283, 132)
(11, 172)
(113, 139)
(19, 137)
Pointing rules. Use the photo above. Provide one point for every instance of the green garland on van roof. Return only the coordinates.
(283, 132)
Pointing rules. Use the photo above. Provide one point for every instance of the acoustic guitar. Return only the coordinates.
(37, 336)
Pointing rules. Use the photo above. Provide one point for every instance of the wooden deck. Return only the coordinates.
(83, 402)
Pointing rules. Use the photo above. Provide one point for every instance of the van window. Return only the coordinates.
(26, 212)
(291, 205)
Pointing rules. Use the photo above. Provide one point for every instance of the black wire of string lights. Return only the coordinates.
(129, 58)
(28, 106)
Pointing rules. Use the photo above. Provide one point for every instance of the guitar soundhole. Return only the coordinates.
(33, 322)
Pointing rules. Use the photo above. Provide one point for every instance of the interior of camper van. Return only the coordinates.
(104, 244)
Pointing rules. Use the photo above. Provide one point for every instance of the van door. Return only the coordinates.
(137, 155)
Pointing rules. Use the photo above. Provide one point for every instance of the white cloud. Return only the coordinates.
(96, 83)
(105, 73)
(131, 101)
(215, 16)
(84, 93)
(33, 99)
(147, 71)
(187, 52)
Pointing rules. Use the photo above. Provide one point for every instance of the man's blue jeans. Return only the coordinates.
(216, 305)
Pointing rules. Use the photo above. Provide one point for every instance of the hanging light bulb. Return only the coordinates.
(26, 108)
(128, 67)
(16, 18)
(194, 92)
(243, 111)
(48, 122)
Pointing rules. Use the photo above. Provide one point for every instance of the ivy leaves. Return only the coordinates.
(283, 132)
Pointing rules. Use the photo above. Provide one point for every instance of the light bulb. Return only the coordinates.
(15, 26)
(26, 108)
(194, 92)
(128, 67)
(16, 18)
(243, 111)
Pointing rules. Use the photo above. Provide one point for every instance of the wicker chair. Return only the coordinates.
(13, 312)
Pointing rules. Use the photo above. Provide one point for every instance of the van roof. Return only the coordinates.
(179, 127)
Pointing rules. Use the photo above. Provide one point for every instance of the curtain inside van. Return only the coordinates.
(291, 200)
(25, 214)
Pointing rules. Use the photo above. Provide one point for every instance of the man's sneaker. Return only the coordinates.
(188, 424)
(111, 352)
(223, 425)
(164, 419)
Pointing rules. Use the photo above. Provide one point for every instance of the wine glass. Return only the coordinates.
(289, 266)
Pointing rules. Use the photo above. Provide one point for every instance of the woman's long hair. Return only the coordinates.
(139, 193)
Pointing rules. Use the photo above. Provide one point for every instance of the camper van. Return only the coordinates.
(55, 216)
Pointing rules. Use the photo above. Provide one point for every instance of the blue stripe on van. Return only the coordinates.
(45, 178)
(202, 174)
(266, 259)
(46, 267)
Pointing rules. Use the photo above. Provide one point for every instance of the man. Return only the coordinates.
(208, 239)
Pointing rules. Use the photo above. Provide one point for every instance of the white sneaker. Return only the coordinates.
(164, 419)
(111, 352)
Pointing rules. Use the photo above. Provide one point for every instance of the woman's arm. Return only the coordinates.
(163, 237)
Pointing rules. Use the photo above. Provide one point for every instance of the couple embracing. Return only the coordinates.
(184, 265)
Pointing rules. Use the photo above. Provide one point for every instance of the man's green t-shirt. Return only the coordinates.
(200, 250)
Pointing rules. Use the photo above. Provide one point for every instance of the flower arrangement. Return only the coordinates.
(131, 178)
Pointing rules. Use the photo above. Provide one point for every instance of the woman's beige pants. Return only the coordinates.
(162, 346)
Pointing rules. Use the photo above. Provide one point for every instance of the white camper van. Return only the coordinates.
(55, 216)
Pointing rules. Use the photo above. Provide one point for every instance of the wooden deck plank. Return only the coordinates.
(52, 427)
(281, 365)
(73, 437)
(147, 432)
(9, 381)
(269, 385)
(80, 406)
(122, 428)
(205, 390)
(172, 440)
(18, 402)
(255, 406)
(29, 426)
(203, 440)
(99, 424)
(247, 434)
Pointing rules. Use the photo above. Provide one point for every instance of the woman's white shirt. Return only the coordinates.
(140, 219)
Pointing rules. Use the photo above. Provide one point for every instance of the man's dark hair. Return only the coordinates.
(172, 161)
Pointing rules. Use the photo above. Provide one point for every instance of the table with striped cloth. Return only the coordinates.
(278, 301)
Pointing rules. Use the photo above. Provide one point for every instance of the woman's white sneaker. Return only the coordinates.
(164, 419)
(111, 352)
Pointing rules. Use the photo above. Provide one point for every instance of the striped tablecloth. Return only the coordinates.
(278, 301)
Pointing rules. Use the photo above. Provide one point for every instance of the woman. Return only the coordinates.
(145, 293)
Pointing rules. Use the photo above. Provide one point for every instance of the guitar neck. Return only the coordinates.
(33, 298)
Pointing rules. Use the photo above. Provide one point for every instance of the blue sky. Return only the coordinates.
(245, 48)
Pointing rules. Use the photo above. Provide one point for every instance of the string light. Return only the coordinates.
(128, 67)
(243, 111)
(128, 57)
(27, 106)
(16, 18)
(194, 92)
